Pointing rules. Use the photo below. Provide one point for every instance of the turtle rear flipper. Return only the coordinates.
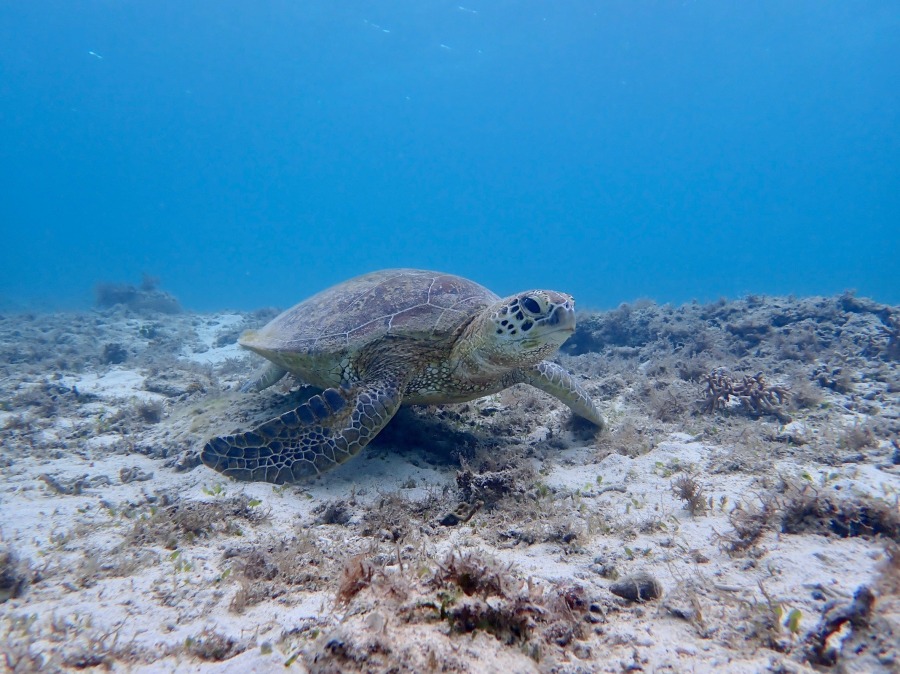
(323, 432)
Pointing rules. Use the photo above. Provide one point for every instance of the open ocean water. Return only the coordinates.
(251, 153)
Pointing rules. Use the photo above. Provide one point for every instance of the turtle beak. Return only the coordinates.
(563, 317)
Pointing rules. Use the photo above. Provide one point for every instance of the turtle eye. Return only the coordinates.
(531, 305)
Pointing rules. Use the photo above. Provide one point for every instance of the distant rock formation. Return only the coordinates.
(144, 298)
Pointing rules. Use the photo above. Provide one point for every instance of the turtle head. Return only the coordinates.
(521, 330)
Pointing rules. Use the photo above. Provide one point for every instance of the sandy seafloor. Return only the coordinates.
(749, 529)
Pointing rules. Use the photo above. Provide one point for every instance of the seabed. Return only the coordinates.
(740, 514)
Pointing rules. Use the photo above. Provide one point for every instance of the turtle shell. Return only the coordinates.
(409, 303)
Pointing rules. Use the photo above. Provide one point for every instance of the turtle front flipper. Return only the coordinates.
(553, 379)
(264, 378)
(323, 432)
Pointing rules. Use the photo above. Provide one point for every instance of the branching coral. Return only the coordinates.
(756, 395)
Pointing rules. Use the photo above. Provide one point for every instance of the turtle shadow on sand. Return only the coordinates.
(438, 438)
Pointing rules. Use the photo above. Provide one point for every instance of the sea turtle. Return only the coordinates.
(399, 336)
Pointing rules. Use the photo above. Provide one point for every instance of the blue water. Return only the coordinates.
(250, 153)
